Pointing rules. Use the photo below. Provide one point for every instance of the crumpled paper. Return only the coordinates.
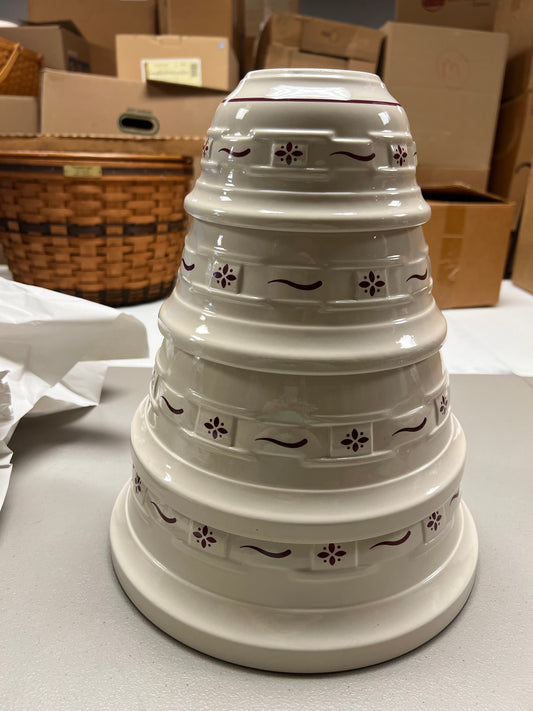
(50, 348)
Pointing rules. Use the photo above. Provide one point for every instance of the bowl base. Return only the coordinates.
(289, 640)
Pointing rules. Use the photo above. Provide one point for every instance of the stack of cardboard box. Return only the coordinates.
(455, 67)
(255, 14)
(142, 85)
(447, 64)
(61, 44)
(463, 14)
(62, 47)
(449, 81)
(511, 174)
(99, 21)
(513, 141)
(290, 40)
(514, 137)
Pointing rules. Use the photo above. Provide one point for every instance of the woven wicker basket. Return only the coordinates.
(108, 228)
(19, 69)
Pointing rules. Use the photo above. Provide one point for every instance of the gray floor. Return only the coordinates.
(70, 639)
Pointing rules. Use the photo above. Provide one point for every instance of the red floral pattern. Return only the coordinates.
(434, 521)
(355, 440)
(372, 283)
(216, 427)
(332, 554)
(400, 156)
(289, 153)
(224, 276)
(204, 537)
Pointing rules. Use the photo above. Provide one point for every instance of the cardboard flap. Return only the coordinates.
(65, 24)
(460, 192)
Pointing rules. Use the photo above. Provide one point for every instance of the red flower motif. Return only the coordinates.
(401, 155)
(355, 440)
(204, 537)
(216, 427)
(225, 276)
(443, 405)
(331, 553)
(289, 153)
(434, 521)
(137, 483)
(205, 148)
(372, 284)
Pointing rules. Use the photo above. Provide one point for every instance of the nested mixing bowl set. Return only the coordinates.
(295, 500)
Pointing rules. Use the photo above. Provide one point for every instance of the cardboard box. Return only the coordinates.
(248, 51)
(87, 104)
(253, 14)
(279, 56)
(61, 45)
(340, 39)
(466, 14)
(99, 21)
(449, 82)
(468, 237)
(310, 34)
(256, 12)
(513, 148)
(202, 18)
(361, 65)
(19, 114)
(515, 17)
(195, 61)
(522, 273)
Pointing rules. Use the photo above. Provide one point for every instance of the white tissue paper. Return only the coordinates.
(50, 348)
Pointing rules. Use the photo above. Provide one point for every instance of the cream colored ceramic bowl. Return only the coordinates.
(301, 148)
(295, 499)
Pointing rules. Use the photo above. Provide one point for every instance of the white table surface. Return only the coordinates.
(71, 640)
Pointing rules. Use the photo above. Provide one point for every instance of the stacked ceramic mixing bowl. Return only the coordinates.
(295, 501)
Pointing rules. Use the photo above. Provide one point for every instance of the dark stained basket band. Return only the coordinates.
(126, 171)
(46, 229)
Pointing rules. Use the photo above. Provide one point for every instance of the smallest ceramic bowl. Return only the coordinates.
(309, 148)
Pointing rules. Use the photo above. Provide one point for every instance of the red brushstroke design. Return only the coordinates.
(165, 518)
(412, 429)
(289, 445)
(283, 554)
(392, 543)
(421, 277)
(175, 410)
(354, 155)
(235, 154)
(295, 285)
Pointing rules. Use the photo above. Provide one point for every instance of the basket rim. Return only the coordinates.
(59, 157)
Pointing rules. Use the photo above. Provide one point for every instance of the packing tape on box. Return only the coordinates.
(452, 244)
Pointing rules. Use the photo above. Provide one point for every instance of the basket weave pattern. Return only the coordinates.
(19, 69)
(116, 240)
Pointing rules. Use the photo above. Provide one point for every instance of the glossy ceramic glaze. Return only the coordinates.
(326, 149)
(295, 498)
(301, 302)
